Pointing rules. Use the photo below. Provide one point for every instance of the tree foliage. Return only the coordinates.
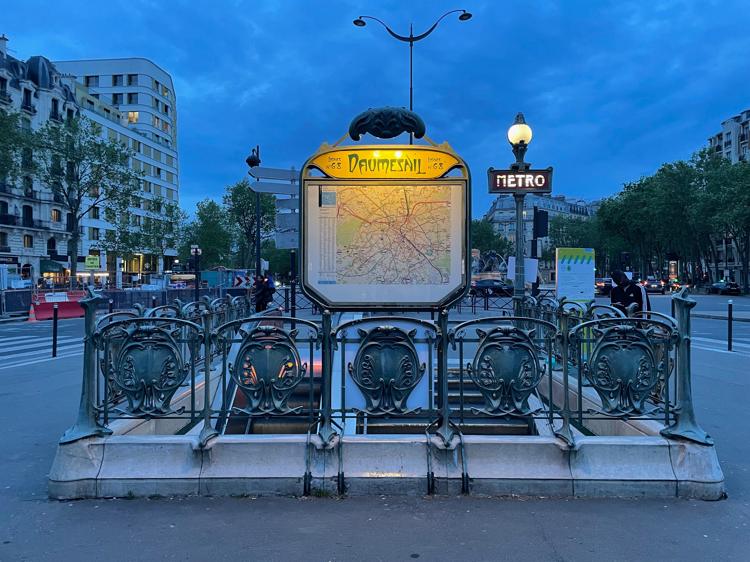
(211, 233)
(240, 202)
(485, 239)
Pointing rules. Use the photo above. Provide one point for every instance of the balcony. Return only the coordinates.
(31, 194)
(56, 116)
(5, 97)
(4, 249)
(28, 108)
(34, 223)
(10, 220)
(5, 187)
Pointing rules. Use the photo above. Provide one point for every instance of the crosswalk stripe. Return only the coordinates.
(25, 363)
(40, 343)
(716, 350)
(47, 350)
(722, 343)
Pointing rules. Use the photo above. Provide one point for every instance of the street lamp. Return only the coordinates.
(411, 39)
(195, 251)
(253, 161)
(519, 137)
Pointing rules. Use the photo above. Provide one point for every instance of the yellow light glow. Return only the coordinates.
(520, 132)
(399, 154)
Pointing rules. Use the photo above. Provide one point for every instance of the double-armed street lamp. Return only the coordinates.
(411, 39)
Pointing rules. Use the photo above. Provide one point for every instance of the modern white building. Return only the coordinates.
(134, 101)
(733, 141)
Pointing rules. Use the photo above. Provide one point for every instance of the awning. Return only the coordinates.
(50, 266)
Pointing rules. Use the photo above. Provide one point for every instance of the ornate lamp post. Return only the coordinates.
(519, 137)
(411, 39)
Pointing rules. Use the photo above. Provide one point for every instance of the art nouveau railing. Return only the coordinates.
(560, 364)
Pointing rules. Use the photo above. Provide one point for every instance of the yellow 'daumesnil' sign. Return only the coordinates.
(395, 162)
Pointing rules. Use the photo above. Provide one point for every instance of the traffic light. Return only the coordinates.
(541, 223)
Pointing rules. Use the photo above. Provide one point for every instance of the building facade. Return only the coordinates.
(502, 215)
(733, 143)
(133, 102)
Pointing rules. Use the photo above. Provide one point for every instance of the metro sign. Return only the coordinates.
(520, 181)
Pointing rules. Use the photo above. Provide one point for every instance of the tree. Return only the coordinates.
(240, 201)
(121, 240)
(84, 171)
(210, 232)
(485, 239)
(14, 141)
(163, 227)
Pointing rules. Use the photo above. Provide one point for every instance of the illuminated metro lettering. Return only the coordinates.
(384, 165)
(520, 180)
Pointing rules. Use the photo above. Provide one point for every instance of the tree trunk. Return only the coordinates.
(75, 237)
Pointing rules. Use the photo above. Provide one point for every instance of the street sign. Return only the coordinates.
(401, 162)
(520, 181)
(280, 188)
(291, 204)
(287, 221)
(279, 174)
(574, 274)
(92, 262)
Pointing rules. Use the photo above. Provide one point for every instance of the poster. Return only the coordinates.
(575, 274)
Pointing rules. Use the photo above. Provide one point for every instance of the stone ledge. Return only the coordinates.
(626, 466)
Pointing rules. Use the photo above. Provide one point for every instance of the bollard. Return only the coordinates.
(54, 330)
(730, 306)
(111, 305)
(153, 301)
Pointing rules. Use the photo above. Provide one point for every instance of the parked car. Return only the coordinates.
(725, 288)
(603, 286)
(491, 287)
(675, 286)
(654, 285)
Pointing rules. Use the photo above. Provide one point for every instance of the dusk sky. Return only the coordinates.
(611, 89)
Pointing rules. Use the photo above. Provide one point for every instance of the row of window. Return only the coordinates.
(28, 240)
(94, 81)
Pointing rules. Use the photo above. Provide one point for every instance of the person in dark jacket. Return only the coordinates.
(626, 292)
(260, 294)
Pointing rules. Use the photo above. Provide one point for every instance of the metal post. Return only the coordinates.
(207, 432)
(445, 431)
(257, 233)
(153, 301)
(564, 432)
(54, 330)
(520, 276)
(326, 431)
(196, 264)
(730, 306)
(685, 425)
(411, 75)
(87, 425)
(111, 304)
(293, 284)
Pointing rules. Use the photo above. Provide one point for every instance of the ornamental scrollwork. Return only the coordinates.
(625, 368)
(267, 370)
(147, 369)
(386, 369)
(506, 370)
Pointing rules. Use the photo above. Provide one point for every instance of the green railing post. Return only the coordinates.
(564, 432)
(208, 432)
(445, 431)
(685, 425)
(87, 425)
(326, 431)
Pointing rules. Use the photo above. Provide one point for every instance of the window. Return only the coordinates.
(94, 192)
(157, 155)
(90, 81)
(170, 177)
(55, 108)
(94, 213)
(170, 194)
(147, 186)
(132, 98)
(147, 150)
(155, 84)
(157, 172)
(71, 114)
(93, 233)
(56, 215)
(132, 117)
(155, 121)
(117, 80)
(28, 241)
(155, 103)
(157, 190)
(26, 98)
(166, 109)
(4, 239)
(3, 85)
(111, 135)
(136, 220)
(147, 168)
(116, 99)
(132, 79)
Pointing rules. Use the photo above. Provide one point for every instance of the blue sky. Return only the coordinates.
(611, 89)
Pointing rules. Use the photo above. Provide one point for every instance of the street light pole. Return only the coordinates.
(411, 39)
(253, 161)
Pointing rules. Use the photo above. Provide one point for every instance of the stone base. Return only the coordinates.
(148, 465)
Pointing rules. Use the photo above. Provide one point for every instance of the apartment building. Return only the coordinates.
(733, 141)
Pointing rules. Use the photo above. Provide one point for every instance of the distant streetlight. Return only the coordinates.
(519, 137)
(253, 161)
(196, 252)
(411, 39)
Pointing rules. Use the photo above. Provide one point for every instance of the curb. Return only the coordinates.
(717, 317)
